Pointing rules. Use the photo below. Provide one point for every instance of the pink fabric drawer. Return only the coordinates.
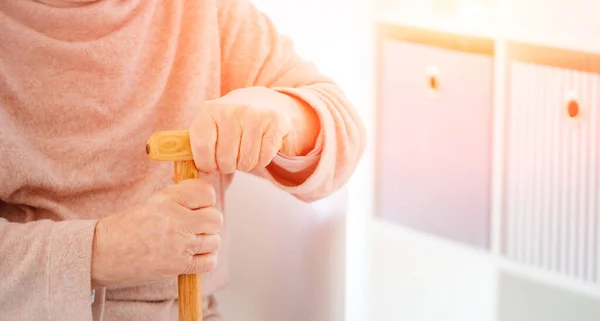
(434, 146)
(551, 211)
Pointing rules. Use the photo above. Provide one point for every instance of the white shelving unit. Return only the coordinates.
(399, 255)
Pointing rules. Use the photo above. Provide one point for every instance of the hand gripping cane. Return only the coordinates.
(175, 146)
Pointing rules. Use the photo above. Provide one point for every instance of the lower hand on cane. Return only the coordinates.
(175, 232)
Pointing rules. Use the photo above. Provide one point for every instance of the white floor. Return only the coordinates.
(414, 277)
(418, 277)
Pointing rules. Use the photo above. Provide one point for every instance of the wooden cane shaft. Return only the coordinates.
(189, 286)
(184, 170)
(175, 146)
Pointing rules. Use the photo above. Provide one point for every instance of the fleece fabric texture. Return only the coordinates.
(83, 84)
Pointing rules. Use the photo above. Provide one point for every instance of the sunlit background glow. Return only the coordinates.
(395, 273)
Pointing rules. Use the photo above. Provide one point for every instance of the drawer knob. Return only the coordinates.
(433, 79)
(573, 108)
(434, 83)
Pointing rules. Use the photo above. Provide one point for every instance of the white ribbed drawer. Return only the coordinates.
(551, 213)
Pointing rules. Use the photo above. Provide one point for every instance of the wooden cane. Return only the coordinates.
(175, 146)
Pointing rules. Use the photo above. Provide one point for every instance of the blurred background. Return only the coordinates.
(478, 198)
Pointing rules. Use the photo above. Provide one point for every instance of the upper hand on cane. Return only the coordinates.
(234, 132)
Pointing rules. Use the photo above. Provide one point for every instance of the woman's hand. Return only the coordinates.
(173, 233)
(235, 132)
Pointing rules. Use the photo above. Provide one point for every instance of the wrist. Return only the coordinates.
(305, 128)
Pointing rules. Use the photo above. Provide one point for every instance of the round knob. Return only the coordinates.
(573, 108)
(433, 78)
(433, 83)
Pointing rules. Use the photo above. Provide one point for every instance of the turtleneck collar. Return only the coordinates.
(71, 20)
(67, 3)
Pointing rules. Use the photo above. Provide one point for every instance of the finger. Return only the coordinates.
(203, 140)
(204, 244)
(193, 193)
(203, 221)
(228, 141)
(271, 143)
(250, 146)
(202, 263)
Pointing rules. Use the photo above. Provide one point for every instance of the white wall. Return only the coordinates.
(571, 23)
(286, 258)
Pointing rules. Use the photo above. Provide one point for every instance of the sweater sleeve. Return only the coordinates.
(253, 53)
(45, 268)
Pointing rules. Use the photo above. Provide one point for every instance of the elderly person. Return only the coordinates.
(83, 84)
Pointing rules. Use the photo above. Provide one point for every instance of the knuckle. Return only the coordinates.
(206, 193)
(220, 220)
(215, 218)
(196, 221)
(196, 193)
(209, 244)
(201, 147)
(227, 165)
(206, 263)
(239, 109)
(212, 262)
(211, 220)
(218, 223)
(203, 185)
(243, 166)
(247, 163)
(247, 112)
(266, 155)
(201, 193)
(270, 114)
(217, 240)
(191, 266)
(200, 247)
(207, 220)
(272, 139)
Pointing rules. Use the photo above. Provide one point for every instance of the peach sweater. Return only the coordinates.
(83, 84)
